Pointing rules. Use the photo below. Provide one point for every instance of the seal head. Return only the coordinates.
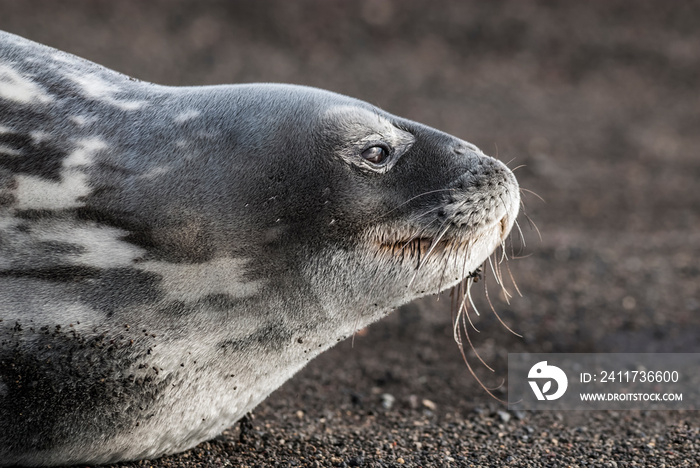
(171, 255)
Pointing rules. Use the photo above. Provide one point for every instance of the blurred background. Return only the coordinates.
(598, 102)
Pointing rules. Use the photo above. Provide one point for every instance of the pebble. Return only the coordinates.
(387, 400)
(429, 404)
(504, 415)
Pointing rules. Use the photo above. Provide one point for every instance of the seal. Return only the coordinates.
(169, 256)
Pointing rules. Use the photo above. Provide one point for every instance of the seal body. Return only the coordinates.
(171, 255)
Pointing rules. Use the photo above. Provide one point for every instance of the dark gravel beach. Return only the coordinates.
(596, 103)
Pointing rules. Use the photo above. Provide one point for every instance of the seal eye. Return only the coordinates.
(375, 154)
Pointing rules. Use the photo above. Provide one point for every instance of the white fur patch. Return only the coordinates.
(37, 193)
(18, 88)
(94, 86)
(83, 155)
(6, 224)
(45, 309)
(7, 151)
(191, 282)
(102, 246)
(128, 105)
(80, 315)
(80, 120)
(98, 89)
(155, 172)
(187, 115)
(67, 58)
(38, 136)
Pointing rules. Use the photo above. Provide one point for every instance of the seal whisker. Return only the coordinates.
(455, 248)
(458, 325)
(417, 217)
(481, 384)
(354, 330)
(467, 246)
(513, 280)
(497, 264)
(533, 193)
(522, 237)
(471, 345)
(463, 308)
(471, 371)
(499, 280)
(506, 292)
(435, 242)
(448, 251)
(457, 334)
(468, 295)
(494, 270)
(456, 316)
(415, 237)
(493, 309)
(411, 199)
(422, 262)
(532, 223)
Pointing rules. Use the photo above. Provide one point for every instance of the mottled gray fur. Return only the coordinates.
(170, 256)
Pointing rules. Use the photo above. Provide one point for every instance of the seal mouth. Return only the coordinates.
(421, 249)
(505, 225)
(399, 244)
